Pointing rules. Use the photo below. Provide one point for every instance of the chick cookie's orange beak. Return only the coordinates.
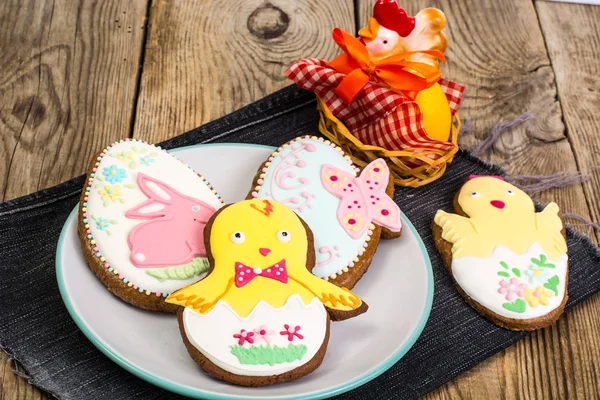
(264, 251)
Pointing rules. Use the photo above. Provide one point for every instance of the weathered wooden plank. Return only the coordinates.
(497, 49)
(572, 35)
(67, 88)
(13, 387)
(206, 59)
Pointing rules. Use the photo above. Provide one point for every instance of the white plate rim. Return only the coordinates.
(199, 393)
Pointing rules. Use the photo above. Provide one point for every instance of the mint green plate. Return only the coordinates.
(398, 289)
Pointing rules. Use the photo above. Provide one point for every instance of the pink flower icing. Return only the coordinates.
(512, 288)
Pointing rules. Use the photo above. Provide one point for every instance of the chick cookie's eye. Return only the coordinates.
(283, 236)
(385, 41)
(509, 192)
(238, 237)
(475, 195)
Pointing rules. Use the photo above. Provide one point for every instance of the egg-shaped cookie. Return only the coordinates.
(141, 222)
(346, 209)
(508, 261)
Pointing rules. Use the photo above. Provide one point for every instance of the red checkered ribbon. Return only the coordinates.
(378, 116)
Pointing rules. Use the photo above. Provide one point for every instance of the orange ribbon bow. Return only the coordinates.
(401, 76)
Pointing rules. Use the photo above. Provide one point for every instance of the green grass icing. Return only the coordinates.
(260, 355)
(197, 267)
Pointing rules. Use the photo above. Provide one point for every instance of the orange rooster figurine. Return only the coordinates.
(391, 31)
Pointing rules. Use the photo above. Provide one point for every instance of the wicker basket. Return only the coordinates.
(409, 168)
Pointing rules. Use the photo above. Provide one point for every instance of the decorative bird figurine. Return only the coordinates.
(260, 316)
(390, 32)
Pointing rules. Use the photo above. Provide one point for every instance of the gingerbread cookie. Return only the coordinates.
(141, 222)
(508, 261)
(344, 208)
(260, 317)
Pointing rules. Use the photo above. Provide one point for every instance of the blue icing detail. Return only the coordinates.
(300, 175)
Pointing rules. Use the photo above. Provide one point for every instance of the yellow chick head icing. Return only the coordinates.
(491, 196)
(260, 250)
(498, 213)
(258, 234)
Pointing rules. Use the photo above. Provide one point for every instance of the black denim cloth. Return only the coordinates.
(36, 329)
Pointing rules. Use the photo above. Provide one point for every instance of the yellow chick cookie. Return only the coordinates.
(508, 260)
(260, 316)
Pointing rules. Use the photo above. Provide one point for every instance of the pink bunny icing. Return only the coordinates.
(174, 232)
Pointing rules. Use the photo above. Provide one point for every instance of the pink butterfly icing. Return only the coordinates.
(363, 198)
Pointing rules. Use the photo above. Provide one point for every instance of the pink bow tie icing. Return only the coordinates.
(244, 273)
(363, 198)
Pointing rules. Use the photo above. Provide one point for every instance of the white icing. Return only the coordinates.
(114, 247)
(212, 333)
(152, 207)
(157, 190)
(479, 278)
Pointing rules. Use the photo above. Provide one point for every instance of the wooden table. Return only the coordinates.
(75, 77)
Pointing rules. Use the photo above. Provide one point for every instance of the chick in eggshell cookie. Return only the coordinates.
(509, 261)
(260, 316)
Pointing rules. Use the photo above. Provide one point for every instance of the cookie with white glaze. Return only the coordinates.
(141, 216)
(348, 210)
(260, 316)
(507, 260)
